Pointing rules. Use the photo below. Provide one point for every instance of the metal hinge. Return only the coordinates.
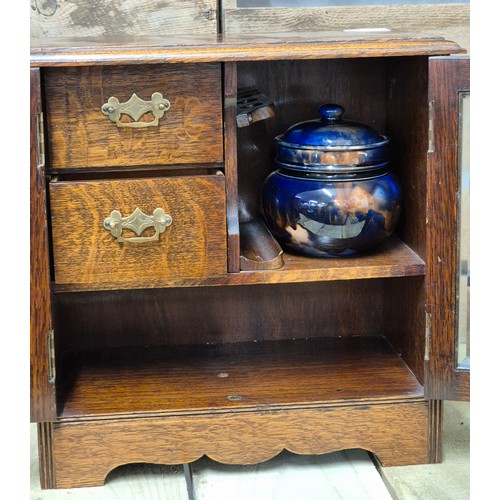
(427, 336)
(431, 146)
(51, 355)
(40, 140)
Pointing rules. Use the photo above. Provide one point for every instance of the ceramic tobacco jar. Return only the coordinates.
(332, 194)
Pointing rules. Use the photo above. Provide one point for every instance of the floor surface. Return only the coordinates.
(347, 475)
(449, 480)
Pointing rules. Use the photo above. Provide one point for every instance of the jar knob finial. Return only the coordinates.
(331, 112)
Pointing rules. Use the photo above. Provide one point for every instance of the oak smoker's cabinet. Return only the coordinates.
(149, 342)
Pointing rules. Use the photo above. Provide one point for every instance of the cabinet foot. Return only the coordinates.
(46, 466)
(436, 409)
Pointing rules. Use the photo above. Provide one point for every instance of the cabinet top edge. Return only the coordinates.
(233, 47)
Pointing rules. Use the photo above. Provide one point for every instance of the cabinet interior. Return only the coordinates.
(389, 94)
(350, 335)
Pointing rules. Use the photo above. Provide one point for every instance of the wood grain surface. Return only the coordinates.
(45, 463)
(193, 246)
(85, 452)
(160, 358)
(237, 376)
(231, 165)
(270, 45)
(217, 315)
(391, 259)
(436, 419)
(42, 388)
(259, 249)
(107, 17)
(447, 77)
(408, 128)
(409, 18)
(404, 320)
(80, 135)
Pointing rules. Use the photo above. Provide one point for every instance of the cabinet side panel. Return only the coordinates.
(42, 392)
(407, 127)
(404, 320)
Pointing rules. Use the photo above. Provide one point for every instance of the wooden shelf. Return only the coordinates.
(393, 259)
(235, 377)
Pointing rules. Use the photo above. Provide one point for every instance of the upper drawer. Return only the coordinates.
(80, 135)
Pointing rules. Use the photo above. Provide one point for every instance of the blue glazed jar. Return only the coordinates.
(333, 194)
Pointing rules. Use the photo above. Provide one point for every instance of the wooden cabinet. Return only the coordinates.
(158, 347)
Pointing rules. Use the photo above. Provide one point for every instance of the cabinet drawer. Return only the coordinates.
(186, 236)
(81, 135)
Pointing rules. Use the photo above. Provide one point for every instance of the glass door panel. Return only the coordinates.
(463, 306)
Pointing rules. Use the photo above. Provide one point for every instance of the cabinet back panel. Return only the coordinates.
(217, 314)
(298, 89)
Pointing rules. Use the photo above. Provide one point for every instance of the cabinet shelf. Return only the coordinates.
(235, 377)
(392, 259)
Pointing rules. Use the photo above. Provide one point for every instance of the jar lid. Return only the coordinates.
(331, 130)
(331, 143)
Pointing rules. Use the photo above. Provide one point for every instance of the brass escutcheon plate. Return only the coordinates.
(137, 222)
(136, 107)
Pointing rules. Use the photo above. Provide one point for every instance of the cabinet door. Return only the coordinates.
(42, 388)
(448, 279)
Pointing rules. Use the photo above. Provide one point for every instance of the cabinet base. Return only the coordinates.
(80, 453)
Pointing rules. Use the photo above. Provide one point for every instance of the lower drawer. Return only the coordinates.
(138, 230)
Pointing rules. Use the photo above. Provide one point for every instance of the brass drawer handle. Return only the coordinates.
(137, 222)
(136, 107)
